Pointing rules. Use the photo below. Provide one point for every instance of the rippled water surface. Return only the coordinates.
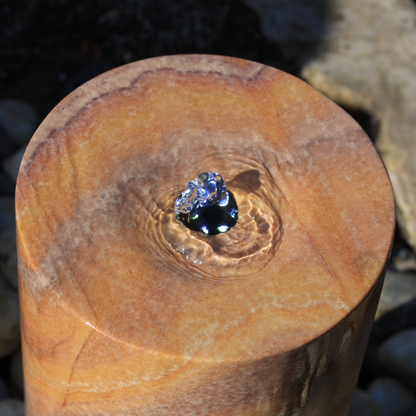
(242, 251)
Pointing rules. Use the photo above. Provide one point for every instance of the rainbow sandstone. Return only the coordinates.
(127, 312)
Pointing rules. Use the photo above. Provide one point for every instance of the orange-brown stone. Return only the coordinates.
(127, 312)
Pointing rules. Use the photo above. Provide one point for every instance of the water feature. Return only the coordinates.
(205, 205)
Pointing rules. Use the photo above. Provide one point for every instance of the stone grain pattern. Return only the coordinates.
(126, 312)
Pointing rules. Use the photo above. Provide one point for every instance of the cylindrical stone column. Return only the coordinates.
(127, 312)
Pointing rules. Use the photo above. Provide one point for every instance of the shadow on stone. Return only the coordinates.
(248, 180)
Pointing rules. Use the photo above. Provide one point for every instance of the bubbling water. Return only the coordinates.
(205, 205)
(242, 251)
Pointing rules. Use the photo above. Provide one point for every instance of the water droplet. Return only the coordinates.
(204, 229)
(232, 212)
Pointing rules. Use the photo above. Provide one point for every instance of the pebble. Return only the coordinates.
(11, 165)
(12, 407)
(8, 256)
(9, 323)
(398, 355)
(16, 372)
(391, 396)
(19, 120)
(363, 405)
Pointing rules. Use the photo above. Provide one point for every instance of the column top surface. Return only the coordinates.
(95, 209)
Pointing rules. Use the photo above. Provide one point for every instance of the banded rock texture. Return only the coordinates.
(127, 312)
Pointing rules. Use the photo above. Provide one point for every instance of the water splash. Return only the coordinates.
(241, 252)
(205, 205)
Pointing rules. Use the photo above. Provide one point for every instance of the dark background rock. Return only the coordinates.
(6, 185)
(403, 317)
(398, 355)
(18, 120)
(364, 405)
(297, 27)
(6, 147)
(392, 397)
(4, 391)
(12, 407)
(48, 47)
(16, 373)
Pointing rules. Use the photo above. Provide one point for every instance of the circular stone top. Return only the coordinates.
(96, 217)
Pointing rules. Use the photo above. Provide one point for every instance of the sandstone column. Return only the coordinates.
(127, 312)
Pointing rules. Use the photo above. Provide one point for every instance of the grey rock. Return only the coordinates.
(398, 289)
(19, 120)
(16, 372)
(9, 323)
(363, 405)
(12, 407)
(368, 62)
(391, 396)
(11, 165)
(398, 355)
(4, 391)
(8, 256)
